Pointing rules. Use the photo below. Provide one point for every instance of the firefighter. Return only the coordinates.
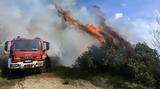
(48, 64)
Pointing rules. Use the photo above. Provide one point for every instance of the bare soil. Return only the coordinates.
(50, 81)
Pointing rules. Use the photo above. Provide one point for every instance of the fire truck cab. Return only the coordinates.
(26, 53)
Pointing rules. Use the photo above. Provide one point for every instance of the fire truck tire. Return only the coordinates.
(5, 72)
(38, 70)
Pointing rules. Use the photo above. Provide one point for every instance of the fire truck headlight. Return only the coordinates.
(39, 63)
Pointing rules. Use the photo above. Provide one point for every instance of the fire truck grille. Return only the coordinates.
(28, 59)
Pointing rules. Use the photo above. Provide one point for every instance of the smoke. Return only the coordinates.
(38, 18)
(133, 30)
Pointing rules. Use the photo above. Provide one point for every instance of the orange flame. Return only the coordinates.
(94, 30)
(89, 28)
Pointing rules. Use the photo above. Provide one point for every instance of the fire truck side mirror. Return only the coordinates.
(6, 46)
(46, 45)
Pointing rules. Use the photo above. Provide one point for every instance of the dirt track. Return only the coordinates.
(50, 81)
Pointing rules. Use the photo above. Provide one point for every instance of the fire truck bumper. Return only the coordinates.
(22, 65)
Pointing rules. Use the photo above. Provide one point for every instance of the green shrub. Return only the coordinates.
(142, 64)
(137, 63)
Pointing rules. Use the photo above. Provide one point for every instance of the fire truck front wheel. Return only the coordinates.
(6, 72)
(38, 70)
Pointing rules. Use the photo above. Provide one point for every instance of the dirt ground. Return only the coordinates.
(50, 81)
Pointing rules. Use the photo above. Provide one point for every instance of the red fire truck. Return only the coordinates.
(26, 53)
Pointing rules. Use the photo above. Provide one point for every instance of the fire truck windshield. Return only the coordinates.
(23, 45)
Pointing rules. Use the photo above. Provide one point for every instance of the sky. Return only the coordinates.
(125, 9)
(130, 18)
(130, 9)
(133, 9)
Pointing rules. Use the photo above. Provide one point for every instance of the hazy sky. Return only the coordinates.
(132, 9)
(133, 19)
(129, 17)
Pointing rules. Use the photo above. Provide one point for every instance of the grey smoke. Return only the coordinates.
(39, 20)
(132, 30)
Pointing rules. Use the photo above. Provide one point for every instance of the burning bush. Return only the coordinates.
(137, 64)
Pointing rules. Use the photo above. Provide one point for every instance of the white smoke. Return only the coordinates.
(133, 30)
(34, 18)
